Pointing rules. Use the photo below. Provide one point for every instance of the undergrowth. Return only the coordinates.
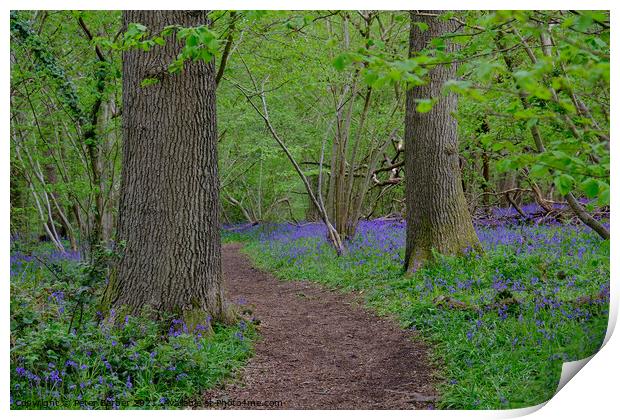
(500, 324)
(65, 355)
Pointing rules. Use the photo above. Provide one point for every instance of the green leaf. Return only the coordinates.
(205, 54)
(395, 75)
(496, 147)
(561, 159)
(583, 22)
(176, 66)
(425, 105)
(370, 77)
(341, 61)
(564, 183)
(191, 41)
(503, 165)
(485, 70)
(423, 27)
(532, 122)
(590, 187)
(539, 171)
(458, 86)
(603, 197)
(438, 43)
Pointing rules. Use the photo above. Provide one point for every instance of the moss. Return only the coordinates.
(109, 294)
(192, 314)
(194, 317)
(453, 239)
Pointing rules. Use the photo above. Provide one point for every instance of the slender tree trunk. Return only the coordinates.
(331, 186)
(312, 211)
(169, 203)
(487, 178)
(17, 200)
(437, 214)
(506, 181)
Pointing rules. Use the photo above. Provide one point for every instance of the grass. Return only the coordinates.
(500, 324)
(64, 355)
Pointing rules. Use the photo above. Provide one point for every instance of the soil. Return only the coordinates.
(320, 349)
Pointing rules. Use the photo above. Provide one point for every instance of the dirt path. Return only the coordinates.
(321, 350)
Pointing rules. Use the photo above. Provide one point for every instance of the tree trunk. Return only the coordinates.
(585, 217)
(486, 170)
(312, 211)
(487, 179)
(169, 202)
(437, 214)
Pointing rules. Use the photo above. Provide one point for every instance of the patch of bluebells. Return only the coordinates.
(43, 283)
(540, 289)
(378, 248)
(105, 364)
(384, 240)
(21, 261)
(126, 361)
(177, 328)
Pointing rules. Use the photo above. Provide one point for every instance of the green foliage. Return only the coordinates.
(135, 363)
(46, 64)
(302, 86)
(522, 87)
(60, 87)
(530, 91)
(200, 44)
(306, 64)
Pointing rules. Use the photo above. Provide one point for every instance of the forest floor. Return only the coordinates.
(320, 349)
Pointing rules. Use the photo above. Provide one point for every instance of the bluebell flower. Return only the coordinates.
(54, 376)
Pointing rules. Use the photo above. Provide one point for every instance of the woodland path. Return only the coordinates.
(321, 349)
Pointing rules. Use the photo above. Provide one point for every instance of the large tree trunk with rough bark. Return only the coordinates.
(169, 203)
(437, 214)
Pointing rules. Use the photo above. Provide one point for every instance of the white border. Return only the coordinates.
(594, 391)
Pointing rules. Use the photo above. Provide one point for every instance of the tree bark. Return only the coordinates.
(437, 214)
(585, 217)
(169, 201)
(312, 211)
